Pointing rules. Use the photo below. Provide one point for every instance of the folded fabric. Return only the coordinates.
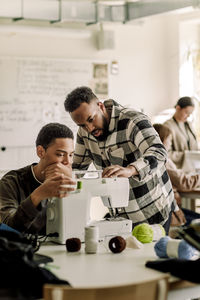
(184, 269)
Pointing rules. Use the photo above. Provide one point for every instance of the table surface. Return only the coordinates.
(103, 268)
(195, 193)
(108, 269)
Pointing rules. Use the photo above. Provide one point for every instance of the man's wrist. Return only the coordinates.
(133, 169)
(35, 198)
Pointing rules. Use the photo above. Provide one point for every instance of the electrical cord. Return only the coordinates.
(37, 240)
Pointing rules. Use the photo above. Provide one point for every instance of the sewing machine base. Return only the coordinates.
(113, 227)
(121, 226)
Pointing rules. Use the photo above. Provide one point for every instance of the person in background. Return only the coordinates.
(24, 192)
(181, 181)
(183, 136)
(123, 143)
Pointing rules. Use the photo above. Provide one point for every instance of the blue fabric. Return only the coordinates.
(7, 228)
(190, 215)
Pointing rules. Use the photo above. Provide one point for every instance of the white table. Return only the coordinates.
(107, 269)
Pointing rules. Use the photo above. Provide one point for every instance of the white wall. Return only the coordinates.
(148, 56)
(147, 53)
(189, 45)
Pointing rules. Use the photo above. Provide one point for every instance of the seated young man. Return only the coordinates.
(24, 192)
(181, 181)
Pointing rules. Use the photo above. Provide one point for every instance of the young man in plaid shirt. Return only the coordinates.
(123, 143)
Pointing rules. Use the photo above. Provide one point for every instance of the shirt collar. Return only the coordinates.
(114, 107)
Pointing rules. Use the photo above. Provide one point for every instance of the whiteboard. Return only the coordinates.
(33, 91)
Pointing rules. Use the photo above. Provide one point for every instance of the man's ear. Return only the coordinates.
(40, 151)
(101, 106)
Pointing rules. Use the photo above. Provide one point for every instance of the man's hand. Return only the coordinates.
(118, 171)
(57, 169)
(57, 186)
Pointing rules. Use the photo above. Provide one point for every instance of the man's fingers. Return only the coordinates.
(68, 187)
(110, 172)
(64, 193)
(107, 171)
(62, 177)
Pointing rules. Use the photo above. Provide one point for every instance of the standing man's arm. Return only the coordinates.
(152, 154)
(147, 140)
(81, 158)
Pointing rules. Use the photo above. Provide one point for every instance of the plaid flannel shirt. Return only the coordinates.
(132, 140)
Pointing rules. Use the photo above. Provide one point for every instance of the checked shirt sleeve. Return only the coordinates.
(146, 139)
(81, 160)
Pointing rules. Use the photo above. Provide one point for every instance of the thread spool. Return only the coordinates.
(73, 244)
(79, 185)
(91, 239)
(117, 244)
(167, 247)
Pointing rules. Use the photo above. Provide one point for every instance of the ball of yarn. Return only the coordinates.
(146, 233)
(73, 244)
(117, 244)
(143, 232)
(167, 247)
(160, 247)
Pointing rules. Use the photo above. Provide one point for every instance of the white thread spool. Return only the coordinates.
(91, 239)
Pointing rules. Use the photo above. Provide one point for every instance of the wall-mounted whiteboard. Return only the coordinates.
(33, 91)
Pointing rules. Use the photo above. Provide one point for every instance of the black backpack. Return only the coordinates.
(21, 277)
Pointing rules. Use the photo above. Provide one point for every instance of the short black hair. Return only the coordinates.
(51, 131)
(77, 96)
(184, 102)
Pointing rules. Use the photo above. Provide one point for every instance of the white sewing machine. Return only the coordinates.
(69, 216)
